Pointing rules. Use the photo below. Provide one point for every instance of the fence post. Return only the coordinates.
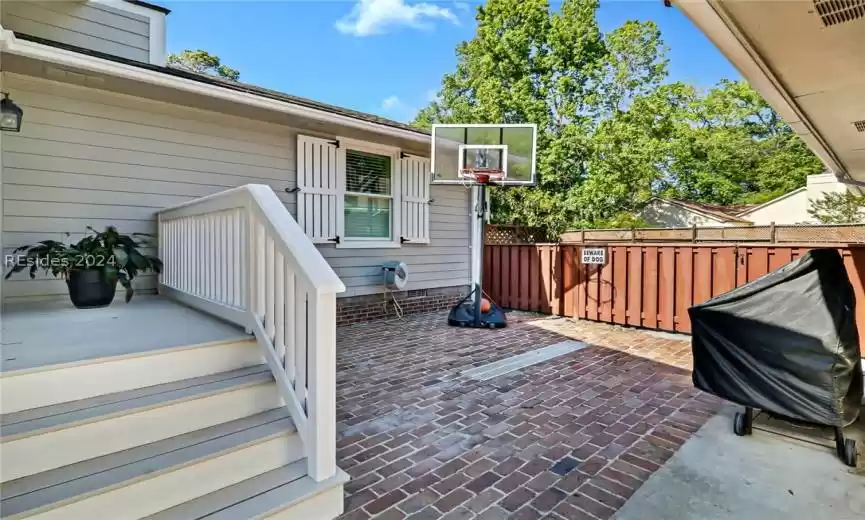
(582, 236)
(693, 232)
(633, 235)
(772, 232)
(559, 279)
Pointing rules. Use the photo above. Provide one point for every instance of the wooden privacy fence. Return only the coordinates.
(641, 285)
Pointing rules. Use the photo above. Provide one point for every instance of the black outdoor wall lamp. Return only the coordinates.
(10, 115)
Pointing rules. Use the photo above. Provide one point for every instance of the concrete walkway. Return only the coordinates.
(717, 475)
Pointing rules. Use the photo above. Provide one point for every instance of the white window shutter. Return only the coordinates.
(414, 214)
(319, 199)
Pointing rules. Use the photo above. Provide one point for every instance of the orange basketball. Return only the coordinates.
(485, 305)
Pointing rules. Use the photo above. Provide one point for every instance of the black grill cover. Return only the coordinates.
(785, 342)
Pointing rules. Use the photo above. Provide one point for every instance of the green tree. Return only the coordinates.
(735, 149)
(202, 62)
(528, 64)
(838, 208)
(612, 132)
(631, 153)
(634, 65)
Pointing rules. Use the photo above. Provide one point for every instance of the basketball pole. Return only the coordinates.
(478, 257)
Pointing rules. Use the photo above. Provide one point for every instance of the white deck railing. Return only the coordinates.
(240, 255)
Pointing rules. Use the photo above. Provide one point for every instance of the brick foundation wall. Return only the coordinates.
(358, 309)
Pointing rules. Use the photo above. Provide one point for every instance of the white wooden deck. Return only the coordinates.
(36, 334)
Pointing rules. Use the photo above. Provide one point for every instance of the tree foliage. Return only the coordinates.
(202, 62)
(838, 208)
(613, 133)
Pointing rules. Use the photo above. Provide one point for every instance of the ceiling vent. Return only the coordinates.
(860, 125)
(834, 12)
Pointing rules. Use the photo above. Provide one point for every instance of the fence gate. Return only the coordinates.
(641, 285)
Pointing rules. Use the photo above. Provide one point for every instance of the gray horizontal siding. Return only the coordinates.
(89, 25)
(89, 157)
(444, 262)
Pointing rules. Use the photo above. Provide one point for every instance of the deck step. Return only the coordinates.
(48, 385)
(275, 492)
(49, 437)
(147, 479)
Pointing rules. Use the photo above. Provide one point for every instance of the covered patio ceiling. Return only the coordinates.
(807, 59)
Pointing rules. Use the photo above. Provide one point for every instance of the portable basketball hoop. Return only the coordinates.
(482, 155)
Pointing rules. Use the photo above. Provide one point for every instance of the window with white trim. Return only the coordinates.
(368, 198)
(361, 195)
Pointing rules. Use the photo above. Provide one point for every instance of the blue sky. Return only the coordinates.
(386, 57)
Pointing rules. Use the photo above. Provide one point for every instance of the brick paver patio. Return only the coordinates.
(571, 438)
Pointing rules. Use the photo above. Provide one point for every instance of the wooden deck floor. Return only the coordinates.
(36, 334)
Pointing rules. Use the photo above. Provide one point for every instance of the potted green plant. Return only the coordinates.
(92, 266)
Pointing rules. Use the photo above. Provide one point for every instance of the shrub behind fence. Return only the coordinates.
(773, 234)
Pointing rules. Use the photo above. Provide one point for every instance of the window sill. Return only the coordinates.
(367, 244)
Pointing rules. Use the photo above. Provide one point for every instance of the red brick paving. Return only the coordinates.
(570, 438)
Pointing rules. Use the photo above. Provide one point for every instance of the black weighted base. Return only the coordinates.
(463, 315)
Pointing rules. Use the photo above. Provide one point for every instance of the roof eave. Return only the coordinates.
(216, 89)
(714, 22)
(148, 5)
(700, 211)
(772, 201)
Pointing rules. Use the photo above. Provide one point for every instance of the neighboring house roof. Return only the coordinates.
(717, 211)
(229, 84)
(754, 207)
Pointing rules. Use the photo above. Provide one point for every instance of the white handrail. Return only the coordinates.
(240, 255)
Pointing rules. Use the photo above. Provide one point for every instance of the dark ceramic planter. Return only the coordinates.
(90, 288)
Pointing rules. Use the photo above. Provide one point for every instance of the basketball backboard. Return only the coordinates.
(507, 147)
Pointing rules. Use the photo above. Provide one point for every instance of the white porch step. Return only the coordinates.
(61, 383)
(50, 437)
(155, 477)
(285, 492)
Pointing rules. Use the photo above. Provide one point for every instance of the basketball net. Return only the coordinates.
(482, 175)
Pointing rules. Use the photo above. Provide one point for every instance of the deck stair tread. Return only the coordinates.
(67, 484)
(40, 420)
(255, 497)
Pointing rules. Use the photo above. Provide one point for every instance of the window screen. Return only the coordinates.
(367, 173)
(368, 199)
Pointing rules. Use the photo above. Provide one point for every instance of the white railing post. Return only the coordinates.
(162, 229)
(321, 403)
(251, 263)
(260, 276)
(301, 342)
(279, 308)
(290, 333)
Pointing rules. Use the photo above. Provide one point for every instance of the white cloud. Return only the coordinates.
(396, 108)
(391, 103)
(369, 17)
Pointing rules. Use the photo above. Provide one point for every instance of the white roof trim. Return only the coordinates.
(773, 201)
(19, 47)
